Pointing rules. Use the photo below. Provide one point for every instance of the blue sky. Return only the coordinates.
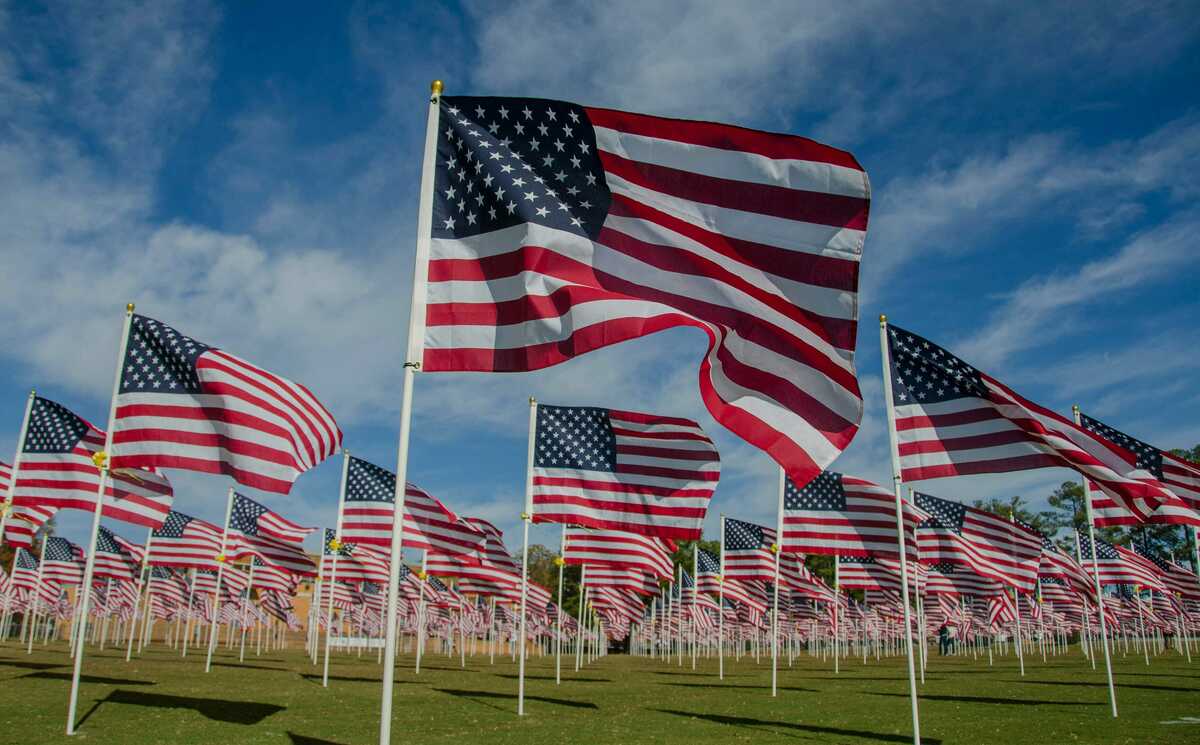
(249, 174)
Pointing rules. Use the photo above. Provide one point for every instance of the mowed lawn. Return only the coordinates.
(277, 698)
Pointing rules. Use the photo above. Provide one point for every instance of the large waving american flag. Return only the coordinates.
(1179, 476)
(183, 404)
(622, 470)
(559, 229)
(748, 555)
(255, 530)
(990, 545)
(355, 562)
(1178, 579)
(838, 514)
(57, 471)
(952, 419)
(116, 558)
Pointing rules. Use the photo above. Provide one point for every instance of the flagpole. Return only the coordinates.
(1087, 502)
(526, 518)
(101, 460)
(579, 619)
(897, 484)
(216, 613)
(777, 549)
(721, 607)
(337, 549)
(837, 629)
(37, 592)
(560, 561)
(416, 333)
(137, 603)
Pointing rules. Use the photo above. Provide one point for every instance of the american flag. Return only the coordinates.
(748, 553)
(369, 508)
(625, 603)
(185, 541)
(496, 553)
(280, 606)
(1058, 565)
(867, 573)
(559, 229)
(1056, 591)
(989, 544)
(57, 470)
(24, 522)
(116, 558)
(622, 470)
(709, 579)
(1001, 610)
(619, 549)
(62, 561)
(948, 578)
(267, 577)
(255, 530)
(168, 583)
(183, 404)
(952, 420)
(25, 566)
(838, 514)
(233, 582)
(623, 578)
(1120, 566)
(1178, 580)
(355, 563)
(1179, 476)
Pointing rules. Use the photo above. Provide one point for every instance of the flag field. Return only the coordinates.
(277, 698)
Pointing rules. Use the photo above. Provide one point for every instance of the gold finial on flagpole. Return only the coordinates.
(129, 308)
(883, 318)
(436, 87)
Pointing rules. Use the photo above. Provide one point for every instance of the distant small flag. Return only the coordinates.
(838, 514)
(620, 549)
(185, 541)
(183, 404)
(57, 471)
(62, 561)
(1116, 565)
(748, 554)
(116, 558)
(255, 530)
(622, 470)
(24, 523)
(991, 545)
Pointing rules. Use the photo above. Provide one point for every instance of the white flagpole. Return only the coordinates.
(561, 560)
(721, 608)
(187, 630)
(526, 518)
(1087, 502)
(579, 621)
(37, 592)
(337, 548)
(244, 610)
(422, 623)
(837, 629)
(897, 484)
(137, 603)
(416, 333)
(216, 613)
(777, 549)
(7, 507)
(101, 461)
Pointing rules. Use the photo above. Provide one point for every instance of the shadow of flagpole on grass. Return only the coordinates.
(758, 724)
(302, 740)
(476, 695)
(216, 709)
(988, 699)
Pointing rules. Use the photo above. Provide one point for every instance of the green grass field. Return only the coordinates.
(277, 698)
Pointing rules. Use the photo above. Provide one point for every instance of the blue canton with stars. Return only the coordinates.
(367, 482)
(743, 536)
(106, 543)
(944, 513)
(345, 549)
(173, 526)
(53, 428)
(924, 373)
(1149, 458)
(159, 359)
(578, 437)
(245, 514)
(60, 549)
(844, 559)
(1105, 549)
(707, 563)
(26, 560)
(825, 492)
(506, 161)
